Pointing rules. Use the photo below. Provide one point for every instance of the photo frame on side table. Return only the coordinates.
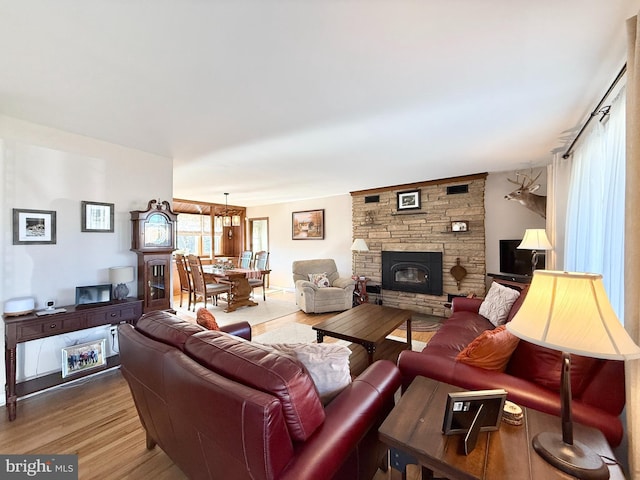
(307, 225)
(96, 217)
(409, 200)
(83, 357)
(34, 227)
(462, 408)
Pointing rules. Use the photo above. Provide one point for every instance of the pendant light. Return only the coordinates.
(226, 220)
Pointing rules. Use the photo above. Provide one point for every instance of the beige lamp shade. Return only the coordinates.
(119, 275)
(571, 312)
(535, 239)
(359, 245)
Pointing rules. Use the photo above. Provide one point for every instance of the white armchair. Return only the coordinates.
(312, 298)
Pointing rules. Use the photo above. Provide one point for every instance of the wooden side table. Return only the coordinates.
(413, 430)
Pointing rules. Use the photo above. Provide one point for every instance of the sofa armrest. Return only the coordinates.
(343, 282)
(300, 284)
(464, 304)
(361, 406)
(239, 329)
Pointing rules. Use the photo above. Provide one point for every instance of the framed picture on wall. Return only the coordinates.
(34, 227)
(409, 200)
(307, 225)
(96, 217)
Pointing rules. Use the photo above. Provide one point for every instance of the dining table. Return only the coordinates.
(238, 279)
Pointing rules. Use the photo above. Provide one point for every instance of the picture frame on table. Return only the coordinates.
(409, 200)
(96, 216)
(307, 225)
(34, 227)
(84, 356)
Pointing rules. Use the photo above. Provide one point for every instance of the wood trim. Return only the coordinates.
(408, 186)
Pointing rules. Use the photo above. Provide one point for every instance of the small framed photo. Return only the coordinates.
(83, 357)
(34, 227)
(96, 217)
(307, 225)
(409, 200)
(462, 409)
(460, 226)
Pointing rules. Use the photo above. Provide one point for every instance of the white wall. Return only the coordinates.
(506, 219)
(48, 169)
(283, 250)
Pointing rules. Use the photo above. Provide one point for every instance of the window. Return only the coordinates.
(194, 234)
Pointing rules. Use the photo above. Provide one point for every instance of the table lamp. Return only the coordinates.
(119, 276)
(570, 312)
(535, 239)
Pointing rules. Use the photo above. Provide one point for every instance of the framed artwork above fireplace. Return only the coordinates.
(409, 200)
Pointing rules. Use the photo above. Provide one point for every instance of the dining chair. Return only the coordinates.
(261, 262)
(200, 287)
(186, 285)
(245, 259)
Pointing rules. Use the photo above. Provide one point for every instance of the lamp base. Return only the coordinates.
(577, 459)
(121, 291)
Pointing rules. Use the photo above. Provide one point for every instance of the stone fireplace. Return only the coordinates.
(388, 230)
(416, 272)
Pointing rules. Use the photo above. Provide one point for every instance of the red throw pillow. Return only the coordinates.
(490, 350)
(205, 318)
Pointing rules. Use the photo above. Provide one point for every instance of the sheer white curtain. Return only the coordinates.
(558, 178)
(594, 240)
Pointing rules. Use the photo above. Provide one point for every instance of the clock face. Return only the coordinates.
(157, 232)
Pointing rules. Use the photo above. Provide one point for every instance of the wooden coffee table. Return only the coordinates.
(413, 430)
(368, 325)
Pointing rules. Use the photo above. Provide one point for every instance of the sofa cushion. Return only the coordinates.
(167, 328)
(320, 280)
(498, 303)
(543, 366)
(205, 318)
(327, 363)
(261, 368)
(490, 350)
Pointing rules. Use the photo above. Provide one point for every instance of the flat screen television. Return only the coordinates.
(515, 261)
(93, 295)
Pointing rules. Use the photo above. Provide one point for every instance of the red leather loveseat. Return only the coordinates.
(531, 377)
(222, 407)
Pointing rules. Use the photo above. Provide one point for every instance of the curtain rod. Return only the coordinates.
(596, 110)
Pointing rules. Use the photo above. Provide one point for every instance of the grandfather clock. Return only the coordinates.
(154, 240)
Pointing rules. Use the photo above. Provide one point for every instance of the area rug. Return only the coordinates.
(263, 312)
(422, 322)
(301, 333)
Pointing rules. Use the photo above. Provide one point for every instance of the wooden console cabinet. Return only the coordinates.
(32, 327)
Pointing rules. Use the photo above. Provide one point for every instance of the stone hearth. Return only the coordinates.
(428, 229)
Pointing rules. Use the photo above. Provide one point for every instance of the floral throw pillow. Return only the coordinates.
(497, 303)
(205, 318)
(320, 280)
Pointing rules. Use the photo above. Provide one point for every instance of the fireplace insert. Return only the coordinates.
(415, 272)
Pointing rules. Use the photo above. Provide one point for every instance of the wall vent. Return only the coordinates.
(457, 189)
(372, 199)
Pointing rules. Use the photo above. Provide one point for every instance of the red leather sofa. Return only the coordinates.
(532, 376)
(222, 407)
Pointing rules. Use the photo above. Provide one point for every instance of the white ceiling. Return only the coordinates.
(274, 100)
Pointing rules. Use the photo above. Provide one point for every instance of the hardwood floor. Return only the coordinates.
(96, 419)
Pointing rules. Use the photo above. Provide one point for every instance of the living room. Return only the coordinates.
(52, 166)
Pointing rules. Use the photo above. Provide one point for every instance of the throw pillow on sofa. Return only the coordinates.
(327, 363)
(206, 319)
(496, 305)
(490, 350)
(320, 280)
